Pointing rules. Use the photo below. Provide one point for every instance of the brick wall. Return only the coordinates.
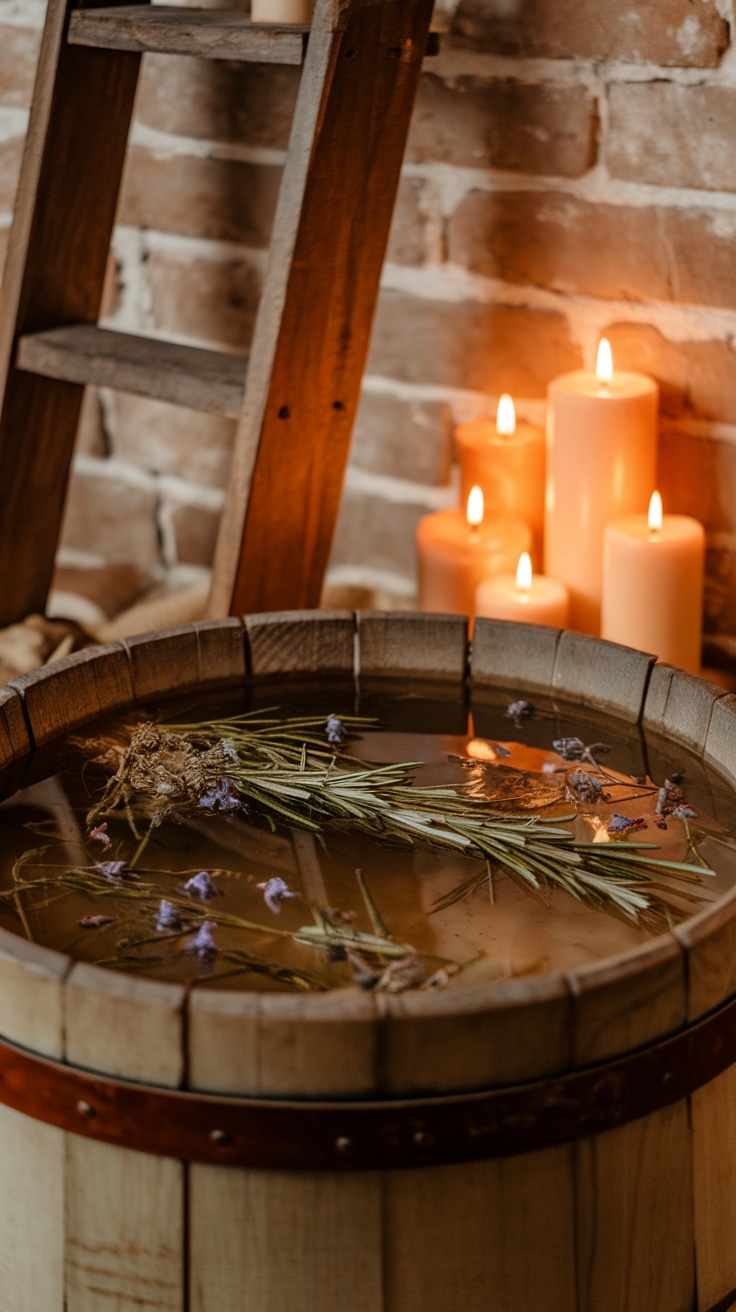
(571, 169)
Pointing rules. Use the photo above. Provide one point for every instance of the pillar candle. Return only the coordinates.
(282, 11)
(458, 549)
(507, 459)
(523, 596)
(601, 463)
(653, 585)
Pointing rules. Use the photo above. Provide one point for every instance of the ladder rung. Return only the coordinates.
(209, 33)
(213, 381)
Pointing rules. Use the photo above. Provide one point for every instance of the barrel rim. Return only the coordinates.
(403, 631)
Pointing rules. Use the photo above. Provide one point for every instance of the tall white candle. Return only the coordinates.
(601, 464)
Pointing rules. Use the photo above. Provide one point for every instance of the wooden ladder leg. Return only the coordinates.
(59, 243)
(313, 327)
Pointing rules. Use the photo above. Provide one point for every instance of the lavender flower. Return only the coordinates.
(203, 943)
(202, 886)
(684, 812)
(620, 824)
(274, 892)
(669, 797)
(95, 922)
(168, 916)
(99, 835)
(520, 710)
(112, 870)
(584, 787)
(221, 798)
(335, 730)
(570, 749)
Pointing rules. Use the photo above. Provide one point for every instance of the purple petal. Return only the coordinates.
(168, 916)
(274, 892)
(202, 886)
(111, 869)
(203, 943)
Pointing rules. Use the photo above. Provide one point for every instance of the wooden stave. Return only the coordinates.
(568, 1178)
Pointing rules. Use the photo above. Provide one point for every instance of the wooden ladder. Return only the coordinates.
(295, 397)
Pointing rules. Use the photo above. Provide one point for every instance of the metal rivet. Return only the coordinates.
(421, 1137)
(394, 52)
(85, 1109)
(350, 54)
(666, 1077)
(220, 1137)
(338, 405)
(284, 412)
(343, 1143)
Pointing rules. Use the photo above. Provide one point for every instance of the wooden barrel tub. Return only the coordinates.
(542, 1144)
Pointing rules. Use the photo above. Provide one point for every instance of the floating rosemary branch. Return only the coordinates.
(283, 770)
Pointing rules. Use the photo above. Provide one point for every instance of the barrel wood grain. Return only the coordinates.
(713, 1130)
(32, 994)
(510, 655)
(164, 662)
(634, 1207)
(15, 741)
(220, 650)
(125, 1211)
(689, 707)
(74, 690)
(499, 1033)
(657, 692)
(627, 1001)
(283, 1241)
(485, 1237)
(720, 742)
(32, 1221)
(708, 941)
(393, 643)
(603, 674)
(287, 642)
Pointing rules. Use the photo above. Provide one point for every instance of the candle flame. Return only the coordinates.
(524, 572)
(654, 518)
(505, 416)
(604, 363)
(474, 511)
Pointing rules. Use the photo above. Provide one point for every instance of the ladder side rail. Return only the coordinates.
(313, 328)
(57, 258)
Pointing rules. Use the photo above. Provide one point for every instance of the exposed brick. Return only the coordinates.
(675, 136)
(720, 590)
(111, 587)
(209, 300)
(214, 100)
(347, 596)
(696, 378)
(489, 348)
(224, 200)
(112, 518)
(195, 530)
(91, 437)
(408, 240)
(376, 534)
(698, 477)
(623, 251)
(166, 439)
(404, 439)
(501, 123)
(18, 56)
(687, 33)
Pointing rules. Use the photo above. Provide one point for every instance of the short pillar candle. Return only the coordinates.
(507, 459)
(653, 570)
(282, 11)
(458, 549)
(601, 464)
(523, 596)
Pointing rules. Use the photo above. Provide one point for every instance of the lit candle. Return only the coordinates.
(601, 461)
(458, 549)
(523, 596)
(282, 11)
(507, 459)
(653, 584)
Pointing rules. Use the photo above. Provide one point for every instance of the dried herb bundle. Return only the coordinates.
(283, 770)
